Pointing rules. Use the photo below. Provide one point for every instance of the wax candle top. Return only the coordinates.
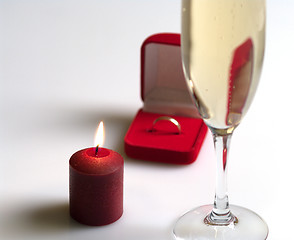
(86, 161)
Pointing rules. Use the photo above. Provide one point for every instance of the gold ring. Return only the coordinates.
(166, 118)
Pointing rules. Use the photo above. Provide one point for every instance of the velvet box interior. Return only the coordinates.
(167, 128)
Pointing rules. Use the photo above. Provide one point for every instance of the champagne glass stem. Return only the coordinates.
(221, 214)
(217, 221)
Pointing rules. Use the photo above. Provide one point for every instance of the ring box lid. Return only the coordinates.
(163, 86)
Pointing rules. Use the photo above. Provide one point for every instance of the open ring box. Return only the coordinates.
(168, 128)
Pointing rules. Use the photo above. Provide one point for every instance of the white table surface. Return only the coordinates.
(66, 65)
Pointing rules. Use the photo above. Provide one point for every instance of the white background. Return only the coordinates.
(65, 65)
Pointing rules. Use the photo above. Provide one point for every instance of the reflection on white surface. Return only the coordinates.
(65, 65)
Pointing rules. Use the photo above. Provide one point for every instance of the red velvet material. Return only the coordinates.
(164, 144)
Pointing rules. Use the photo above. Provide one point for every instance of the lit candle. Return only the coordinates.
(96, 184)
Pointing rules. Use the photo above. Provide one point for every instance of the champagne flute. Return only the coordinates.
(222, 52)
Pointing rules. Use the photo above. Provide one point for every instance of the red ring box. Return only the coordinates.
(164, 93)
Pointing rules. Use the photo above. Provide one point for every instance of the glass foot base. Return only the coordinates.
(191, 226)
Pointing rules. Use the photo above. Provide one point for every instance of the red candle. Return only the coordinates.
(96, 186)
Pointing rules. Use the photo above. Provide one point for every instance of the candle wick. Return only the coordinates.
(96, 151)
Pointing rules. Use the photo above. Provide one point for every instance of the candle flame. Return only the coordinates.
(99, 137)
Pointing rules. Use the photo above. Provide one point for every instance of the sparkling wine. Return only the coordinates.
(223, 48)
